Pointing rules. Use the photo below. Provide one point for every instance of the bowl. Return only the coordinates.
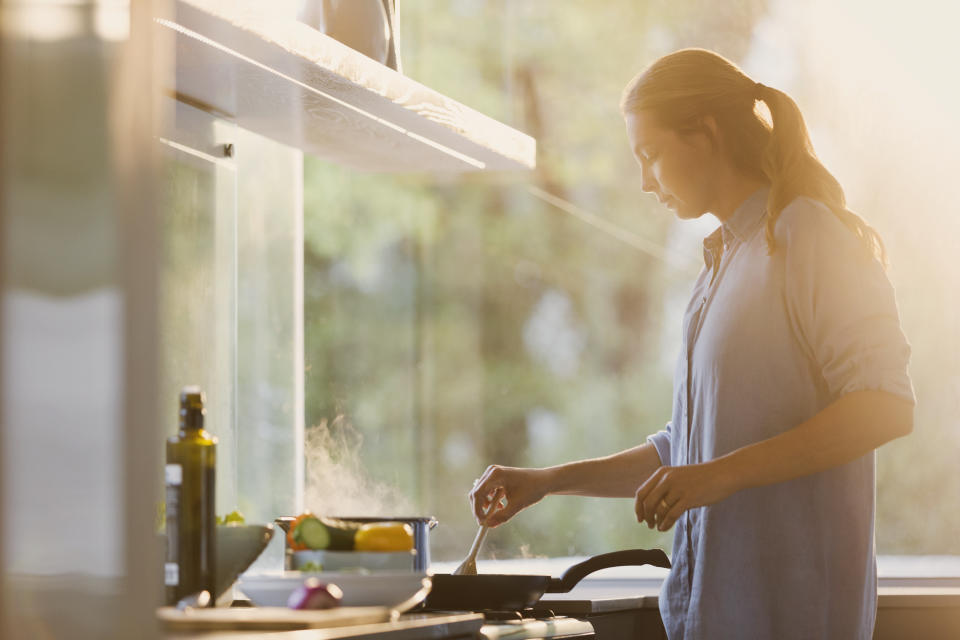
(238, 545)
(396, 590)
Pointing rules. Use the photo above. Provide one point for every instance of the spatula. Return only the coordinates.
(469, 565)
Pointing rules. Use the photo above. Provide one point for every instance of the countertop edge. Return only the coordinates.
(647, 597)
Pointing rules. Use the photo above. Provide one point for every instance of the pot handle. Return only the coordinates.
(629, 557)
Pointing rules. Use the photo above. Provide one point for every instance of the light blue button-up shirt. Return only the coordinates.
(768, 342)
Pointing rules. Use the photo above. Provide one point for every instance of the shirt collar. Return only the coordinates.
(738, 226)
(713, 248)
(746, 217)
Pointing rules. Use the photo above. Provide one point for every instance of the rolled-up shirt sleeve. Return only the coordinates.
(841, 304)
(661, 442)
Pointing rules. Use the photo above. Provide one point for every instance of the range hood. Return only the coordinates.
(278, 77)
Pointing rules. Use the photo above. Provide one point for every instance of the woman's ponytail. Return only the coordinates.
(793, 169)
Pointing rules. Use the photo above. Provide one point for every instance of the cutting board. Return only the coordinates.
(267, 618)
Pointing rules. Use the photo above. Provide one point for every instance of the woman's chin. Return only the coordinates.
(683, 211)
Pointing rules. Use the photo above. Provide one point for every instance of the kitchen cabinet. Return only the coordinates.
(256, 65)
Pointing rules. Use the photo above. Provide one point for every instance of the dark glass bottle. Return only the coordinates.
(191, 525)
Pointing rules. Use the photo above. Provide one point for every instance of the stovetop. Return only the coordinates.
(527, 623)
(556, 627)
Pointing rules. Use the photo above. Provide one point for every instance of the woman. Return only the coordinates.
(793, 370)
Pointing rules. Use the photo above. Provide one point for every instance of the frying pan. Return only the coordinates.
(516, 592)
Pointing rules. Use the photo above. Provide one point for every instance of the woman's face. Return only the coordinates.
(681, 170)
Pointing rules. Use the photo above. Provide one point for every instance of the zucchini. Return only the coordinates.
(324, 535)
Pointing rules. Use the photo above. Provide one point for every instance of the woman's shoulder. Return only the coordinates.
(810, 232)
(806, 220)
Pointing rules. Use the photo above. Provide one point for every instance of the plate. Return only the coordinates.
(351, 560)
(397, 590)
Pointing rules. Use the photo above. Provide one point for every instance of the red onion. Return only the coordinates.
(313, 594)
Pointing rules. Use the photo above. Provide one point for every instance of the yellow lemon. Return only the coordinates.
(385, 536)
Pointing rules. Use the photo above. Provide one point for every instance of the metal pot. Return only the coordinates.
(421, 526)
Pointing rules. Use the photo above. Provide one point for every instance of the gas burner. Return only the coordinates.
(518, 627)
(516, 614)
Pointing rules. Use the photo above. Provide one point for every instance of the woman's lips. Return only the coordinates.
(669, 201)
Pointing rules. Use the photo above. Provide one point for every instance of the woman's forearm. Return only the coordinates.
(851, 427)
(614, 476)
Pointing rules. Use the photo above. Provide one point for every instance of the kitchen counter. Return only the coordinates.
(603, 595)
(620, 588)
(409, 627)
(625, 599)
(615, 607)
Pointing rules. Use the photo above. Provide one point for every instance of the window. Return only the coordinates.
(231, 308)
(453, 323)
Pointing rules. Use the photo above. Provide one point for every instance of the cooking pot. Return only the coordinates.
(421, 526)
(518, 592)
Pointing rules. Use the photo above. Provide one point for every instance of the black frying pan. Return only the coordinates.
(515, 592)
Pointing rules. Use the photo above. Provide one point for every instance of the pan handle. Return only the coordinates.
(629, 557)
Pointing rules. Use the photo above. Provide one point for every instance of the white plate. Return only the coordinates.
(387, 589)
(364, 560)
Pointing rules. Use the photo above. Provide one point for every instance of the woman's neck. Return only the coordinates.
(736, 190)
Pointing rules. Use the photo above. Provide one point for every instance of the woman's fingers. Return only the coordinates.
(500, 515)
(649, 496)
(496, 510)
(485, 491)
(670, 517)
(502, 492)
(671, 491)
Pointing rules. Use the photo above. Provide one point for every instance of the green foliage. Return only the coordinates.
(461, 322)
(420, 292)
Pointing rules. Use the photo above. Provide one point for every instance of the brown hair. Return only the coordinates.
(683, 87)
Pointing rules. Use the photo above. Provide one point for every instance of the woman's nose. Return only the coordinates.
(647, 183)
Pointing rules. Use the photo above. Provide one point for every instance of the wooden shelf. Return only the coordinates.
(287, 81)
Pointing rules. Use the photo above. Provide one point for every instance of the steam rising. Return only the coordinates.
(337, 484)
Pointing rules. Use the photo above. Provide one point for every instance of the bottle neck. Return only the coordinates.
(191, 420)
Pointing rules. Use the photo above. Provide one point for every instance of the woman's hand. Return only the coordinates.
(672, 490)
(502, 492)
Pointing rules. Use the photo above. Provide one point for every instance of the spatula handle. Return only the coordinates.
(477, 541)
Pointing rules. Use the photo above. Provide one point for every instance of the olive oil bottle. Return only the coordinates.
(190, 492)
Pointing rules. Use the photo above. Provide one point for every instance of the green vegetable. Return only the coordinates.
(234, 517)
(311, 566)
(330, 534)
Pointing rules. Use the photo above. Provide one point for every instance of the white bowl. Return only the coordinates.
(356, 560)
(386, 589)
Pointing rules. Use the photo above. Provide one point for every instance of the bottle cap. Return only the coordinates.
(191, 397)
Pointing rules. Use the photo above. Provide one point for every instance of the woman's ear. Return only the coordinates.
(711, 130)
